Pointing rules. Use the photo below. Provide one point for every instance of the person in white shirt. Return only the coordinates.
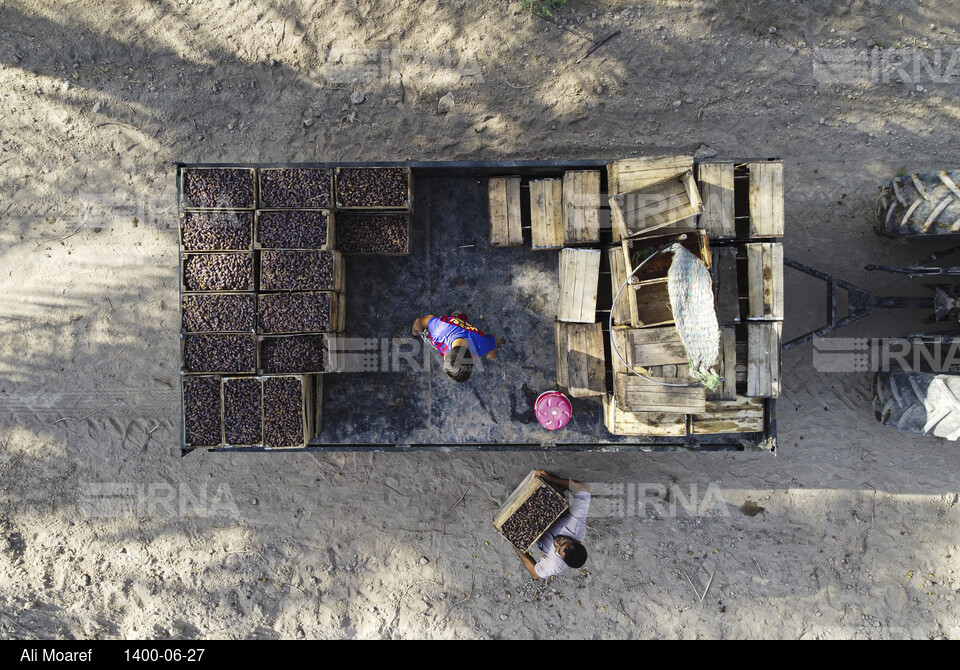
(561, 544)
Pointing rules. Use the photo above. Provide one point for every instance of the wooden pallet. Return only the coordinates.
(579, 278)
(766, 199)
(546, 213)
(716, 191)
(581, 371)
(622, 422)
(763, 359)
(765, 280)
(636, 394)
(581, 207)
(630, 174)
(655, 206)
(505, 220)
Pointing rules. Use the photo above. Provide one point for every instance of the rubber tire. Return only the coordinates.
(891, 210)
(918, 402)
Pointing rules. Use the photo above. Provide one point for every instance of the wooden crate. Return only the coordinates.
(331, 237)
(505, 220)
(307, 410)
(650, 304)
(726, 284)
(249, 202)
(223, 407)
(765, 280)
(546, 213)
(727, 366)
(579, 279)
(581, 369)
(185, 258)
(218, 404)
(581, 207)
(763, 359)
(635, 250)
(334, 283)
(741, 415)
(636, 394)
(244, 219)
(650, 347)
(332, 359)
(405, 203)
(336, 323)
(530, 484)
(618, 275)
(630, 174)
(655, 206)
(716, 191)
(249, 338)
(766, 199)
(324, 174)
(622, 422)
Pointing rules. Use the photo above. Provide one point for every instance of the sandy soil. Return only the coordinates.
(108, 533)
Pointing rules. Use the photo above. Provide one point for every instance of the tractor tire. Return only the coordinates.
(921, 204)
(918, 402)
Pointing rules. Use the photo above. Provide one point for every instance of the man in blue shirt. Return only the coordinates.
(458, 342)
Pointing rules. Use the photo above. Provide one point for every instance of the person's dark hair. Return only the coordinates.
(458, 363)
(575, 555)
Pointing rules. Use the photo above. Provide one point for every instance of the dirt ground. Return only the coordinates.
(851, 531)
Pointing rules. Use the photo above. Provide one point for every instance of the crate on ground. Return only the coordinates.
(220, 271)
(218, 312)
(581, 370)
(503, 198)
(289, 411)
(656, 206)
(300, 354)
(282, 270)
(385, 233)
(529, 511)
(766, 198)
(629, 174)
(242, 411)
(581, 207)
(218, 353)
(579, 280)
(295, 229)
(290, 312)
(201, 409)
(218, 188)
(296, 188)
(546, 213)
(374, 188)
(216, 230)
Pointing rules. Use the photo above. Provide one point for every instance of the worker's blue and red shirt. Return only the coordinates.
(442, 331)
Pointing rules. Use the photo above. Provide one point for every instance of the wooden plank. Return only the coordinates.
(740, 367)
(546, 213)
(766, 199)
(652, 300)
(581, 206)
(581, 369)
(514, 221)
(765, 280)
(728, 366)
(620, 422)
(636, 394)
(716, 190)
(763, 359)
(648, 347)
(497, 199)
(632, 173)
(618, 337)
(725, 286)
(741, 415)
(579, 277)
(618, 275)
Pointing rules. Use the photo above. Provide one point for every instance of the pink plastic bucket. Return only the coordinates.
(553, 410)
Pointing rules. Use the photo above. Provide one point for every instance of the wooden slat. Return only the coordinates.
(741, 415)
(633, 173)
(504, 203)
(546, 213)
(740, 366)
(647, 347)
(765, 279)
(763, 359)
(618, 336)
(618, 275)
(579, 276)
(620, 422)
(581, 370)
(716, 190)
(725, 284)
(581, 206)
(766, 199)
(636, 394)
(728, 366)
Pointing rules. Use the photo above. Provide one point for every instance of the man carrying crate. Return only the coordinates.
(458, 342)
(560, 543)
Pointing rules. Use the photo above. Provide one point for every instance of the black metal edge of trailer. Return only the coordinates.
(765, 441)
